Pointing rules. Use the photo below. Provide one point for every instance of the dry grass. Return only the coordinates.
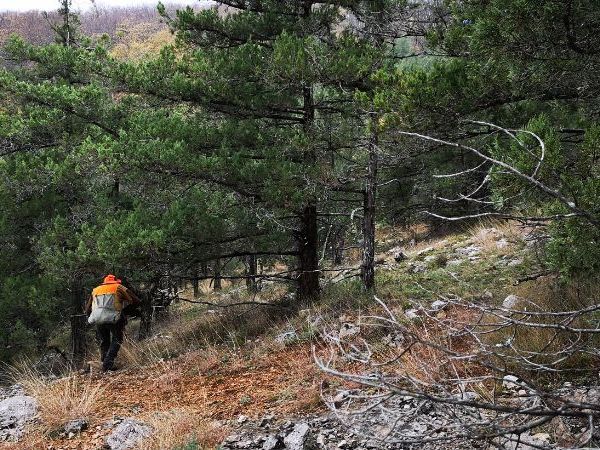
(62, 400)
(138, 354)
(414, 232)
(182, 426)
(552, 295)
(487, 233)
(194, 327)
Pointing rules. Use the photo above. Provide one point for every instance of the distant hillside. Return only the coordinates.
(121, 24)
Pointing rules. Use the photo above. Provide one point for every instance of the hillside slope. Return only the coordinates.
(196, 383)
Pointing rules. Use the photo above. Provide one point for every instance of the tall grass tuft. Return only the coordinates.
(60, 400)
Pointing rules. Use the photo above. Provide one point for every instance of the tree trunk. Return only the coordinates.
(217, 275)
(367, 270)
(308, 255)
(145, 316)
(337, 246)
(78, 325)
(196, 281)
(251, 274)
(308, 236)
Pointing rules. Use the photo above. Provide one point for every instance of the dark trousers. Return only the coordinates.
(110, 336)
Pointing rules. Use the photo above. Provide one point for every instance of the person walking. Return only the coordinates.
(107, 308)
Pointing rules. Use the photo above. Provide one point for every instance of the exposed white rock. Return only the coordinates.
(470, 251)
(15, 413)
(348, 330)
(511, 301)
(299, 438)
(502, 243)
(438, 305)
(411, 314)
(515, 262)
(454, 262)
(511, 382)
(128, 434)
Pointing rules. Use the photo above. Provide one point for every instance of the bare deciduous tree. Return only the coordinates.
(468, 370)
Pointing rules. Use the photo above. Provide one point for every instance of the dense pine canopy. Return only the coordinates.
(277, 130)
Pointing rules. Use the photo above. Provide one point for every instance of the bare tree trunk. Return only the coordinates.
(337, 245)
(261, 271)
(308, 255)
(217, 275)
(308, 236)
(252, 269)
(196, 281)
(78, 325)
(367, 270)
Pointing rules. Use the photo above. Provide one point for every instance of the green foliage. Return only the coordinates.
(531, 66)
(216, 146)
(193, 445)
(212, 149)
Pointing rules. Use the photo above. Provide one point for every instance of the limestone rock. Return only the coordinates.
(411, 314)
(510, 302)
(348, 330)
(15, 413)
(502, 243)
(515, 262)
(128, 434)
(470, 251)
(287, 337)
(76, 426)
(417, 268)
(511, 382)
(438, 305)
(273, 443)
(300, 438)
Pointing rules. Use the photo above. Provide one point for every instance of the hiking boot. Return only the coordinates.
(109, 368)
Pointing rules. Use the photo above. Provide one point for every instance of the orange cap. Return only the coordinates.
(110, 279)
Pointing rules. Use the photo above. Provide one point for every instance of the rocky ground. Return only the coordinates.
(18, 411)
(266, 394)
(366, 431)
(415, 419)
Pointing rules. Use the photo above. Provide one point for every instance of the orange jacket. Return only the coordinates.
(124, 296)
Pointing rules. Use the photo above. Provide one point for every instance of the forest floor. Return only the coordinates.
(205, 370)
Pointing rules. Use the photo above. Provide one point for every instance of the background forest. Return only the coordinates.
(265, 140)
(388, 209)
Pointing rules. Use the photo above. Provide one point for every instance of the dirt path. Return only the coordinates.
(284, 383)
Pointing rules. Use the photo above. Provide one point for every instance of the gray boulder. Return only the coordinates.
(300, 438)
(15, 413)
(511, 302)
(273, 443)
(128, 434)
(11, 391)
(471, 251)
(76, 426)
(287, 337)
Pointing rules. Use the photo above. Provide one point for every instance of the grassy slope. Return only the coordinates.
(205, 368)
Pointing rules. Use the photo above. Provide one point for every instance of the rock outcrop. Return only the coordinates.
(16, 411)
(127, 434)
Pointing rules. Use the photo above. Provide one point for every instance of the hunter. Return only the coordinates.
(107, 308)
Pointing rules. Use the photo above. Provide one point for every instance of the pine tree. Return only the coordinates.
(271, 82)
(524, 65)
